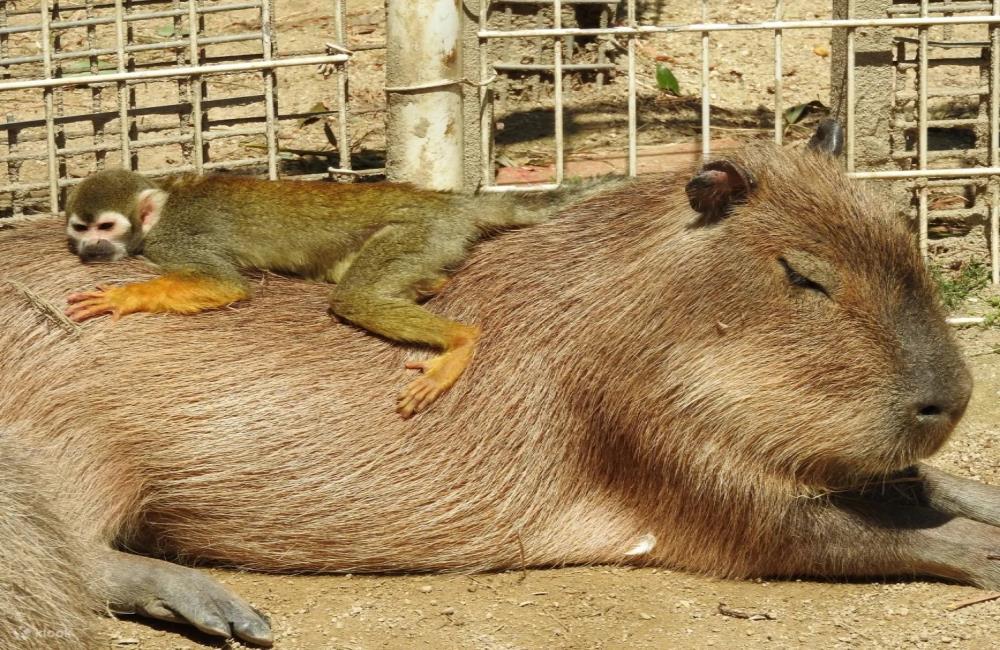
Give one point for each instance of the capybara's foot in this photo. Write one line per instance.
(964, 550)
(440, 374)
(170, 592)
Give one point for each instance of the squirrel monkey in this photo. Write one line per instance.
(384, 245)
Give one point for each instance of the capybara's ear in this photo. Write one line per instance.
(828, 138)
(717, 187)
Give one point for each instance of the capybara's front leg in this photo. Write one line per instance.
(854, 536)
(961, 549)
(959, 496)
(139, 585)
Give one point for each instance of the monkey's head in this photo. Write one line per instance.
(109, 214)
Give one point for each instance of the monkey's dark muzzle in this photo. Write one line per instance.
(99, 251)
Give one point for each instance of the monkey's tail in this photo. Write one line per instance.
(45, 600)
(519, 210)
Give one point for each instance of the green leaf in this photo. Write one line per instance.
(666, 80)
(74, 68)
(168, 30)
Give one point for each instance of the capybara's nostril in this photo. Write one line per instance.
(929, 411)
(932, 418)
(942, 411)
(940, 391)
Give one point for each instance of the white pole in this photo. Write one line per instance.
(424, 92)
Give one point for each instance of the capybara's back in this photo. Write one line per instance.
(707, 372)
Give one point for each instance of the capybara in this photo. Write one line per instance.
(45, 600)
(747, 388)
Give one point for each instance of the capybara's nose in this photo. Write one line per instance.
(940, 406)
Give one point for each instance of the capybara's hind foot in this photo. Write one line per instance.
(440, 374)
(170, 592)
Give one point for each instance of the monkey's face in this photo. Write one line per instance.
(101, 237)
(110, 213)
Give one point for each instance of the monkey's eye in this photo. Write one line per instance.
(799, 280)
(79, 227)
(107, 225)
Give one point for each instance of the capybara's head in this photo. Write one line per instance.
(793, 323)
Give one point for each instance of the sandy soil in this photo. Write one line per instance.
(601, 607)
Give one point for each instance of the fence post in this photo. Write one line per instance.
(477, 98)
(424, 88)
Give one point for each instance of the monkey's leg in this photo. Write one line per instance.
(169, 592)
(379, 293)
(179, 293)
(402, 320)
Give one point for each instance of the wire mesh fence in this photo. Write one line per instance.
(161, 86)
(894, 130)
(165, 86)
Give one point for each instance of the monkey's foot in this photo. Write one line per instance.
(89, 304)
(440, 374)
(178, 594)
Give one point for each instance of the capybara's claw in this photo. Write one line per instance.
(181, 595)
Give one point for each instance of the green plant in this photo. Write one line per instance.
(992, 318)
(955, 288)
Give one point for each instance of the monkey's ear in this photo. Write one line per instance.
(717, 187)
(828, 138)
(150, 205)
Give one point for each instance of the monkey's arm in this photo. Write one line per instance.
(185, 289)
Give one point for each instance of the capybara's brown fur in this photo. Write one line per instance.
(45, 601)
(643, 375)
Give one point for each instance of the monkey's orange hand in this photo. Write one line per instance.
(88, 304)
(179, 294)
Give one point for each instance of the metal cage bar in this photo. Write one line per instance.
(779, 126)
(994, 237)
(633, 147)
(930, 168)
(114, 70)
(849, 126)
(344, 165)
(706, 95)
(557, 87)
(922, 128)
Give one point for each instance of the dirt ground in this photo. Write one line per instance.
(605, 607)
